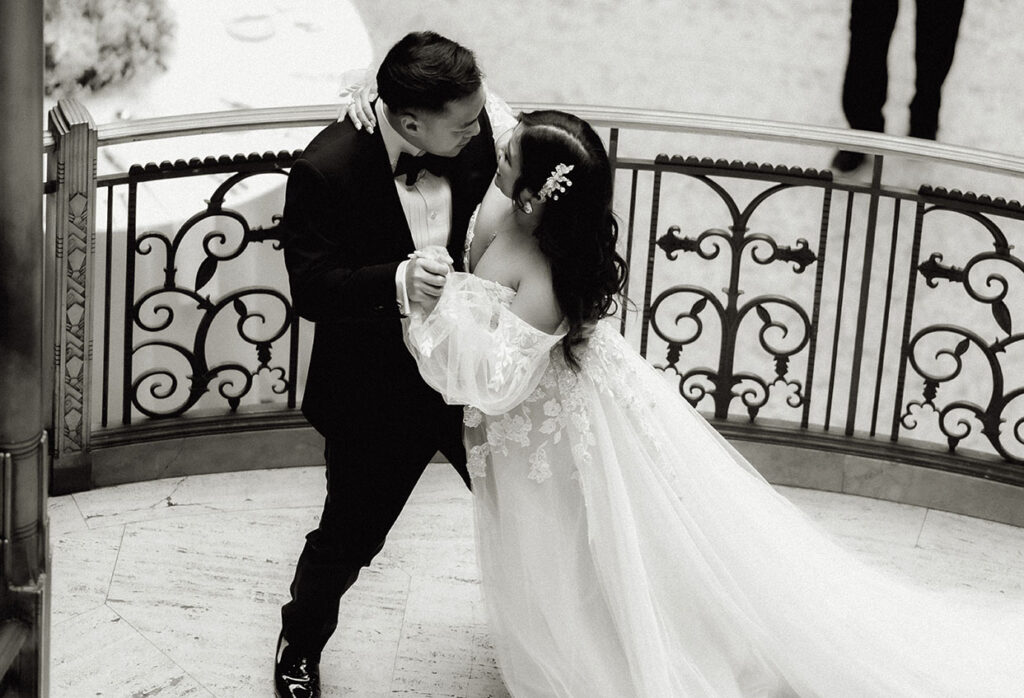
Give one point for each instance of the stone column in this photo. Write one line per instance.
(24, 616)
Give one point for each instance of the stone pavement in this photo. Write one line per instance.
(173, 587)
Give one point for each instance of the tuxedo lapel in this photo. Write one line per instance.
(380, 189)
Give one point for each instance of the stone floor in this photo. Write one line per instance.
(173, 587)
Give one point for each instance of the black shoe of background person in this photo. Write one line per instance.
(848, 160)
(296, 675)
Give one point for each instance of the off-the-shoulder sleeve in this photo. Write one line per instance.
(475, 351)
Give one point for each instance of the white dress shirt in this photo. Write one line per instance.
(427, 203)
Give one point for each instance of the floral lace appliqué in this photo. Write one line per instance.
(476, 460)
(540, 468)
(559, 398)
(471, 416)
(555, 411)
(510, 427)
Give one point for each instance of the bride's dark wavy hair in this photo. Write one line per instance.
(578, 231)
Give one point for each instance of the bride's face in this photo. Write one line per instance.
(508, 161)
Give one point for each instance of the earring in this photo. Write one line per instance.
(528, 207)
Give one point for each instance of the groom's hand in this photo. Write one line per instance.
(425, 279)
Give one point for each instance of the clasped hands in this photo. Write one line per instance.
(425, 277)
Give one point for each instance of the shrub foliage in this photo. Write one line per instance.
(92, 43)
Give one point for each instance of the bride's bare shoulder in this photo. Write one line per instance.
(494, 203)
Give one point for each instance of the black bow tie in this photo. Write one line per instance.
(410, 166)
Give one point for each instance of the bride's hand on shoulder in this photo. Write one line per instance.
(359, 109)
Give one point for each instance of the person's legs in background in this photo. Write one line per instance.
(937, 26)
(866, 81)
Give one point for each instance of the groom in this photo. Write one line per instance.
(357, 204)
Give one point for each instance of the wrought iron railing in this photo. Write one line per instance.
(787, 304)
(152, 318)
(913, 346)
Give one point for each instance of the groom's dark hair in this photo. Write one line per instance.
(425, 70)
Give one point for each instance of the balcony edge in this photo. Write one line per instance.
(813, 460)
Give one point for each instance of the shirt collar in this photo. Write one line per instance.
(394, 143)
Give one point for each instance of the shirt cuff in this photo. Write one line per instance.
(401, 295)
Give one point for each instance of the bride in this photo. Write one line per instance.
(626, 548)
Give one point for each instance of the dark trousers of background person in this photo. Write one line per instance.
(867, 78)
(369, 479)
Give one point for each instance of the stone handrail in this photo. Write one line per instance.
(612, 117)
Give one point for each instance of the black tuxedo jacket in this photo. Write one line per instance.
(346, 234)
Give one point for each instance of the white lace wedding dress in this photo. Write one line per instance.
(627, 550)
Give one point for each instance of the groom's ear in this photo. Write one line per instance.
(409, 123)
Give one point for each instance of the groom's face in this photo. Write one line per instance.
(446, 133)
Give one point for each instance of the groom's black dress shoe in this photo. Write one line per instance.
(296, 675)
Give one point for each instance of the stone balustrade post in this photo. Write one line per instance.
(71, 221)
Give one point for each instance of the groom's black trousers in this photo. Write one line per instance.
(370, 475)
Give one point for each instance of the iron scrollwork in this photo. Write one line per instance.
(750, 388)
(780, 335)
(939, 353)
(154, 312)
